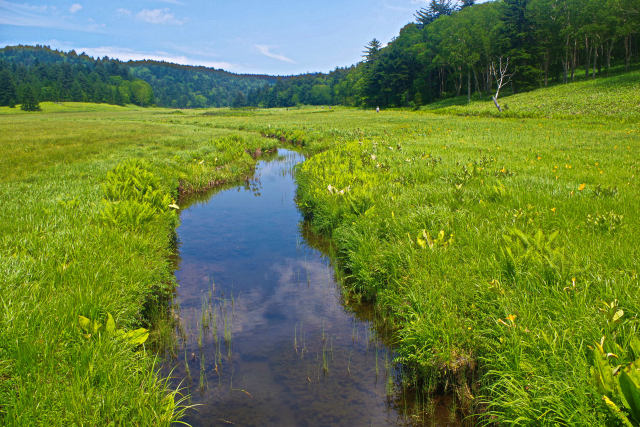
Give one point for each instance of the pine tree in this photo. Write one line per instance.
(371, 50)
(239, 100)
(435, 9)
(7, 89)
(29, 100)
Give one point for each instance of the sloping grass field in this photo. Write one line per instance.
(501, 249)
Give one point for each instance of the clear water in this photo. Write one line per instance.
(264, 331)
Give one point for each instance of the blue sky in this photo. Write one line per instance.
(245, 36)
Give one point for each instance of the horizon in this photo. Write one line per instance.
(229, 37)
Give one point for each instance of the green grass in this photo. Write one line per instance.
(475, 308)
(61, 258)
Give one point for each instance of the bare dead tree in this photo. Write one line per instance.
(502, 76)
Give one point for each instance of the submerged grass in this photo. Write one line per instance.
(498, 249)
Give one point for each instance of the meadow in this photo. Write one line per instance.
(500, 249)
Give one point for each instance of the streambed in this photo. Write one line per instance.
(265, 337)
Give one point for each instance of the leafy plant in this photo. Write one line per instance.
(425, 240)
(618, 383)
(91, 328)
(537, 252)
(605, 222)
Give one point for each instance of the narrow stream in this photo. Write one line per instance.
(264, 336)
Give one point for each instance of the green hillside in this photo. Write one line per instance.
(616, 98)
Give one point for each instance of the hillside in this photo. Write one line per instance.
(66, 76)
(616, 97)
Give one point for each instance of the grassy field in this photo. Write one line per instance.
(499, 248)
(82, 238)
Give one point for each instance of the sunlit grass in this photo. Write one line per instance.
(489, 244)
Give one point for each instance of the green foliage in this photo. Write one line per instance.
(134, 197)
(93, 328)
(605, 222)
(618, 383)
(29, 100)
(535, 253)
(57, 76)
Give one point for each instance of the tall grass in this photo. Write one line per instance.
(495, 247)
(84, 235)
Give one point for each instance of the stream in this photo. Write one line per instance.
(265, 337)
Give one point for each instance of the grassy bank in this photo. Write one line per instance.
(87, 230)
(500, 248)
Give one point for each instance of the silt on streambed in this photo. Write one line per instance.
(264, 336)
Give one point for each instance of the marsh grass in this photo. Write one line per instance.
(59, 259)
(444, 220)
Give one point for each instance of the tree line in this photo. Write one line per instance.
(455, 47)
(29, 75)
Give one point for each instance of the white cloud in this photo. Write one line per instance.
(76, 7)
(176, 2)
(158, 16)
(266, 51)
(27, 15)
(123, 12)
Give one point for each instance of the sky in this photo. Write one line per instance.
(278, 37)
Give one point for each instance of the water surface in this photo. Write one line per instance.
(265, 336)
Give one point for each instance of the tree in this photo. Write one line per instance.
(320, 95)
(371, 50)
(141, 93)
(502, 76)
(7, 89)
(435, 9)
(239, 100)
(467, 3)
(29, 99)
(517, 43)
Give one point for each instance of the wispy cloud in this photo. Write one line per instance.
(176, 2)
(158, 16)
(76, 7)
(266, 51)
(123, 12)
(28, 15)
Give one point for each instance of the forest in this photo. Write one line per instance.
(453, 48)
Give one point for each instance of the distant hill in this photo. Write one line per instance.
(66, 76)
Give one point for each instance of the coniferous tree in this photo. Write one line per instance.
(7, 89)
(371, 50)
(435, 9)
(29, 99)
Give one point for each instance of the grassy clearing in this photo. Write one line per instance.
(498, 248)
